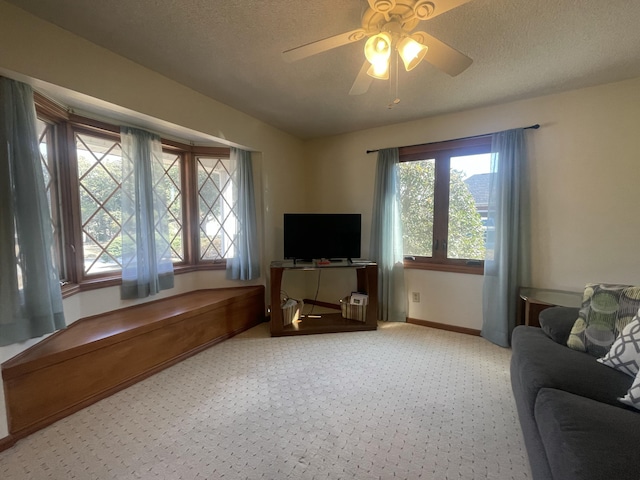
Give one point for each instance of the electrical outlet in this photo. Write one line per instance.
(415, 296)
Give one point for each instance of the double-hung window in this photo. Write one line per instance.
(444, 204)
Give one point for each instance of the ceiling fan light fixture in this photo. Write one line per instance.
(411, 52)
(378, 48)
(379, 70)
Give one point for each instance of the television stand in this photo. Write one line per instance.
(367, 282)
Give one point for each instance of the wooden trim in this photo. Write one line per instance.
(441, 208)
(70, 290)
(217, 152)
(94, 126)
(48, 108)
(456, 147)
(318, 303)
(190, 224)
(7, 442)
(445, 267)
(444, 326)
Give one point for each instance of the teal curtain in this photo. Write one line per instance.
(245, 263)
(146, 246)
(386, 239)
(30, 297)
(506, 265)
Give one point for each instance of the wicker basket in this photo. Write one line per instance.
(353, 312)
(291, 310)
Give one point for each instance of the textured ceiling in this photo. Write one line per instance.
(231, 51)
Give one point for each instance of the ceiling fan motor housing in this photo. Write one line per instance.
(406, 12)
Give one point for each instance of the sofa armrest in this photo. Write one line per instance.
(587, 440)
(557, 322)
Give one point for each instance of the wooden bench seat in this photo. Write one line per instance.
(99, 355)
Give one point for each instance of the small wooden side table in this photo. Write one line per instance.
(534, 300)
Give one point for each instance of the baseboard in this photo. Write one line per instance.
(7, 442)
(444, 326)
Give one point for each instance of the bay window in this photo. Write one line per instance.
(82, 166)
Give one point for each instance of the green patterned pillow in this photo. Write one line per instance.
(598, 324)
(628, 309)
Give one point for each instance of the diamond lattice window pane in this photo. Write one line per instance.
(100, 178)
(216, 201)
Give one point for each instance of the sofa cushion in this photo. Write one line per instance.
(540, 362)
(624, 354)
(585, 439)
(557, 322)
(595, 329)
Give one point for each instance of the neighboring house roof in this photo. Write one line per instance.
(479, 187)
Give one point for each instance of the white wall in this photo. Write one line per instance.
(585, 189)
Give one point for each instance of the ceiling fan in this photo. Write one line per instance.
(389, 26)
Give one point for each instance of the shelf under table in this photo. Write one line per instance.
(328, 323)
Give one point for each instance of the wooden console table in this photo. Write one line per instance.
(367, 282)
(534, 300)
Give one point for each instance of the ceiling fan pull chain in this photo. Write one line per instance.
(396, 80)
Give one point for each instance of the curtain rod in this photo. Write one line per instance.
(530, 127)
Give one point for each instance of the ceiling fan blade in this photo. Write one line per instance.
(320, 46)
(441, 55)
(363, 81)
(442, 6)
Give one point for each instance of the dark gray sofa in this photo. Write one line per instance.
(573, 425)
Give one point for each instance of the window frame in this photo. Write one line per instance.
(66, 125)
(442, 152)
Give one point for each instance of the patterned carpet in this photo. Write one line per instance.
(402, 402)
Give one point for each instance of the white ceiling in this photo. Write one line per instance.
(231, 51)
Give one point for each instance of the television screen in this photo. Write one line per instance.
(309, 236)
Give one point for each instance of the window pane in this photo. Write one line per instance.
(217, 199)
(468, 205)
(48, 162)
(170, 187)
(417, 181)
(100, 180)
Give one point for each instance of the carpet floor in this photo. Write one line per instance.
(404, 401)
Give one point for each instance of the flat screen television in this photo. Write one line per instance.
(309, 236)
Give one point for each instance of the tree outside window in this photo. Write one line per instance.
(443, 195)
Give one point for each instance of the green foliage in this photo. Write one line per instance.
(99, 186)
(417, 180)
(466, 233)
(101, 207)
